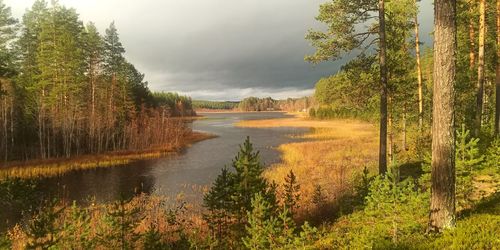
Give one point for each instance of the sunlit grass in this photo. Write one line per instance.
(336, 152)
(55, 167)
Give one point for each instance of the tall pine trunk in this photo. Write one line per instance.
(480, 67)
(383, 91)
(419, 75)
(472, 41)
(442, 212)
(497, 79)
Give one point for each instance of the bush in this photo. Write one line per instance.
(476, 232)
(492, 159)
(327, 112)
(395, 215)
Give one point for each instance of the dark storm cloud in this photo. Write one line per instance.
(217, 49)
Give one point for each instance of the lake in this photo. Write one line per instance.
(186, 172)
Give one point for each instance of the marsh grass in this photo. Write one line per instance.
(334, 154)
(58, 166)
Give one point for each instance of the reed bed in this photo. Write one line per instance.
(56, 167)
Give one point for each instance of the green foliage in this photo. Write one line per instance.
(219, 203)
(5, 242)
(394, 216)
(291, 193)
(199, 104)
(467, 163)
(362, 185)
(121, 220)
(257, 104)
(230, 198)
(476, 232)
(398, 207)
(43, 230)
(492, 156)
(318, 197)
(343, 19)
(66, 90)
(76, 230)
(267, 229)
(350, 93)
(247, 178)
(8, 27)
(467, 160)
(261, 224)
(153, 239)
(177, 104)
(330, 113)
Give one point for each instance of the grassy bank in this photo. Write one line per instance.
(335, 153)
(54, 167)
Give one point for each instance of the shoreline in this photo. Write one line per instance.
(221, 111)
(59, 166)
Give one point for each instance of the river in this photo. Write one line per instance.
(186, 172)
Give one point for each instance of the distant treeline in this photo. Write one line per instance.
(67, 90)
(176, 104)
(227, 105)
(258, 104)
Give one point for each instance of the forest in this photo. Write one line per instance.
(403, 150)
(214, 105)
(66, 90)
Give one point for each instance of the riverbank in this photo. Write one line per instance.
(59, 166)
(336, 152)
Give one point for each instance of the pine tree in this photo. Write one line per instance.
(291, 192)
(443, 137)
(76, 231)
(230, 198)
(122, 221)
(8, 29)
(347, 31)
(261, 224)
(467, 160)
(492, 159)
(60, 61)
(93, 53)
(318, 197)
(43, 231)
(248, 179)
(219, 204)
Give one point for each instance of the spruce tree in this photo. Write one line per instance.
(467, 160)
(248, 179)
(291, 193)
(219, 204)
(261, 225)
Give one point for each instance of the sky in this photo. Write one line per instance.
(218, 49)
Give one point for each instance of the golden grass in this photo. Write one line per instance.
(55, 167)
(339, 149)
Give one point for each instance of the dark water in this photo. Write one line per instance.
(185, 172)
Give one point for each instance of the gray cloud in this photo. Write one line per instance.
(217, 49)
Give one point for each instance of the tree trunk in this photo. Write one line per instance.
(442, 213)
(419, 76)
(497, 80)
(382, 163)
(480, 68)
(472, 40)
(405, 146)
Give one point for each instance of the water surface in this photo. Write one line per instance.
(184, 172)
